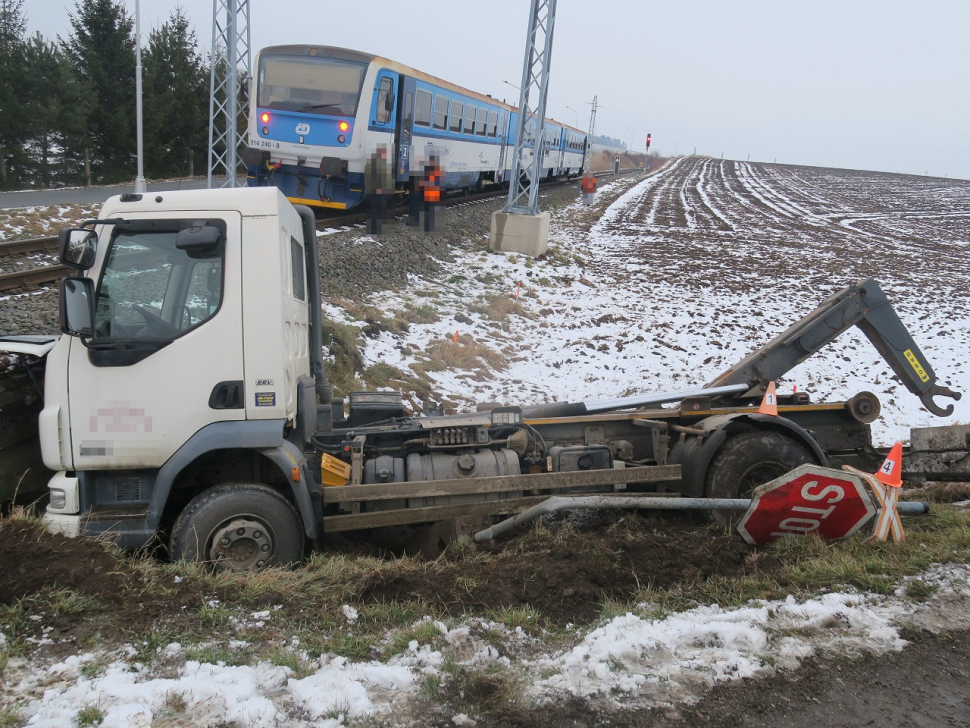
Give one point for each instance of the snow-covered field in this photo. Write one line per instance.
(692, 268)
(632, 660)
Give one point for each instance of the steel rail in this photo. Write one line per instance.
(33, 278)
(28, 245)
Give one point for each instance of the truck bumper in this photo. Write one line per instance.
(69, 526)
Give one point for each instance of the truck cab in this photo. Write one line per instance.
(192, 315)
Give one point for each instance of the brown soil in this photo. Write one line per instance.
(568, 576)
(36, 563)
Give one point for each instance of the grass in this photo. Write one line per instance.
(89, 715)
(382, 375)
(312, 597)
(348, 360)
(285, 657)
(11, 719)
(526, 617)
(466, 353)
(499, 307)
(215, 654)
(809, 566)
(478, 690)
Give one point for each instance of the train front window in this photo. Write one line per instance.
(326, 86)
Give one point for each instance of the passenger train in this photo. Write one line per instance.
(317, 113)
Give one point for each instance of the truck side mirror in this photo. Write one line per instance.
(389, 103)
(199, 241)
(77, 307)
(78, 247)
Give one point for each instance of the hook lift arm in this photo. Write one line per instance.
(864, 305)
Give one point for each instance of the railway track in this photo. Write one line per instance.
(29, 245)
(33, 278)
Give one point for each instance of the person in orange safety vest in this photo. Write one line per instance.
(431, 190)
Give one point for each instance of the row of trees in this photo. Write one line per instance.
(67, 108)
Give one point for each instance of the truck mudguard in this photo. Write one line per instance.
(696, 453)
(288, 459)
(264, 436)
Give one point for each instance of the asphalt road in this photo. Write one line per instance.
(89, 195)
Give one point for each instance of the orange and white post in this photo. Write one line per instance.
(885, 484)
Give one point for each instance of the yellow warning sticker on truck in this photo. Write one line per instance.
(265, 399)
(917, 367)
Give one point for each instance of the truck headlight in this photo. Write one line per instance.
(58, 498)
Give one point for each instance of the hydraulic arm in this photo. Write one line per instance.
(864, 305)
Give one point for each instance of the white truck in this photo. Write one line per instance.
(189, 400)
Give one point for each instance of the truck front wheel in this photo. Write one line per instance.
(238, 526)
(749, 459)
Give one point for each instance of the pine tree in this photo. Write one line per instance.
(58, 105)
(102, 44)
(176, 87)
(15, 124)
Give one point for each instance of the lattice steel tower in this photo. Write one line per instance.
(524, 182)
(229, 79)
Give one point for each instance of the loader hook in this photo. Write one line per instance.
(939, 390)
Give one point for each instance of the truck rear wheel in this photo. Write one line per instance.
(239, 527)
(749, 459)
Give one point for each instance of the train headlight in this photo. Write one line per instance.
(343, 126)
(341, 139)
(264, 117)
(265, 130)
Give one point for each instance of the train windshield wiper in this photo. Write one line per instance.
(316, 106)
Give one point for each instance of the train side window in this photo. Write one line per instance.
(469, 119)
(382, 92)
(440, 112)
(456, 108)
(480, 117)
(408, 110)
(492, 123)
(422, 108)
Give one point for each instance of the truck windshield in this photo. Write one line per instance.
(326, 86)
(150, 289)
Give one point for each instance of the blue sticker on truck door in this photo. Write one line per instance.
(265, 399)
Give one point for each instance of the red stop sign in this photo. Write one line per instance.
(810, 499)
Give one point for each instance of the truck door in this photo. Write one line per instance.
(166, 356)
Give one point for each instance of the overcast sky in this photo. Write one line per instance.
(861, 84)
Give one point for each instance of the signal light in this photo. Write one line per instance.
(343, 126)
(264, 117)
(648, 141)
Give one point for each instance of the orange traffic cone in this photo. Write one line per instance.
(891, 471)
(769, 405)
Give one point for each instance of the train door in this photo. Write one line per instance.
(384, 104)
(405, 128)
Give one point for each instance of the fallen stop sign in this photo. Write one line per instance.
(810, 499)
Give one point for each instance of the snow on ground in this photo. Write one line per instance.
(633, 660)
(692, 268)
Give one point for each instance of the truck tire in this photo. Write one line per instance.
(238, 527)
(749, 459)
